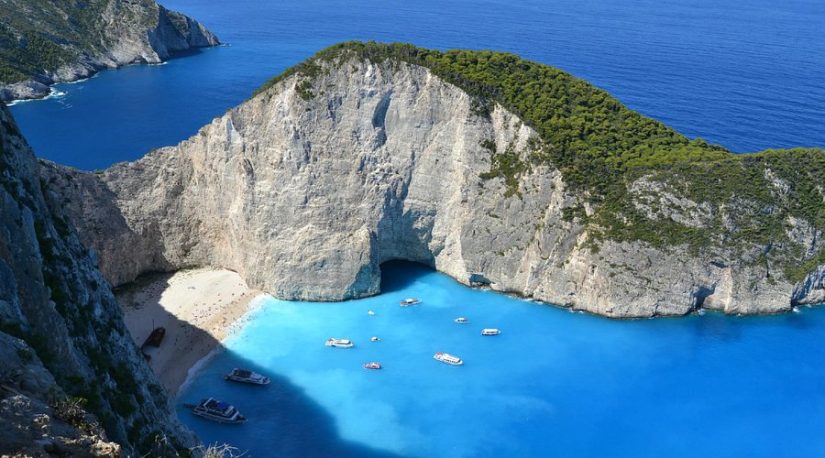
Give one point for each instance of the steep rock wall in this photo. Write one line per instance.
(62, 335)
(309, 186)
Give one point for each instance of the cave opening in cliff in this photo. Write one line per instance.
(399, 274)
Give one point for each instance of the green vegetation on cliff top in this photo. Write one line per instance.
(602, 147)
(39, 36)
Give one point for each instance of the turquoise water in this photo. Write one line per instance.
(554, 383)
(746, 74)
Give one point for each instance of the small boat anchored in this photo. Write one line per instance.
(374, 339)
(447, 358)
(339, 343)
(217, 411)
(461, 320)
(409, 301)
(370, 313)
(490, 332)
(246, 376)
(372, 365)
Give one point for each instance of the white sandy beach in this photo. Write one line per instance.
(197, 307)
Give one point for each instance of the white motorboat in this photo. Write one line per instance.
(409, 301)
(221, 412)
(374, 339)
(370, 313)
(246, 376)
(372, 365)
(461, 320)
(339, 343)
(447, 358)
(490, 332)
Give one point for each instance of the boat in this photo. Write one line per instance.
(246, 376)
(339, 343)
(374, 339)
(215, 410)
(490, 332)
(447, 358)
(461, 320)
(370, 313)
(155, 338)
(372, 365)
(410, 301)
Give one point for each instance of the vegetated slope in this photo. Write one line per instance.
(48, 41)
(70, 374)
(468, 161)
(602, 147)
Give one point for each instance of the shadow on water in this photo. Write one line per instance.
(186, 53)
(398, 275)
(282, 420)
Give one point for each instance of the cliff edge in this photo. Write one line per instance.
(72, 382)
(43, 42)
(472, 163)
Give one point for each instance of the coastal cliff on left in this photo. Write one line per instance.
(72, 382)
(43, 42)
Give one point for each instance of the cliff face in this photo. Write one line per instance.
(308, 187)
(71, 379)
(43, 42)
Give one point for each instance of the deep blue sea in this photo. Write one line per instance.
(554, 383)
(743, 73)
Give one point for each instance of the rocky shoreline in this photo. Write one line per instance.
(172, 33)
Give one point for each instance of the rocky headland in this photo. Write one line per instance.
(469, 162)
(43, 42)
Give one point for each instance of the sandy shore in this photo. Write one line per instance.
(197, 307)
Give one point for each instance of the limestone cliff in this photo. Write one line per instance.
(339, 166)
(43, 42)
(71, 379)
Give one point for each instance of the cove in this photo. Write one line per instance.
(554, 383)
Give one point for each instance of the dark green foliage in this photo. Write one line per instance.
(39, 36)
(601, 147)
(309, 69)
(12, 328)
(40, 345)
(25, 355)
(304, 89)
(508, 166)
(122, 402)
(30, 54)
(591, 137)
(71, 410)
(124, 378)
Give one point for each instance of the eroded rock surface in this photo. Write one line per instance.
(309, 186)
(62, 337)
